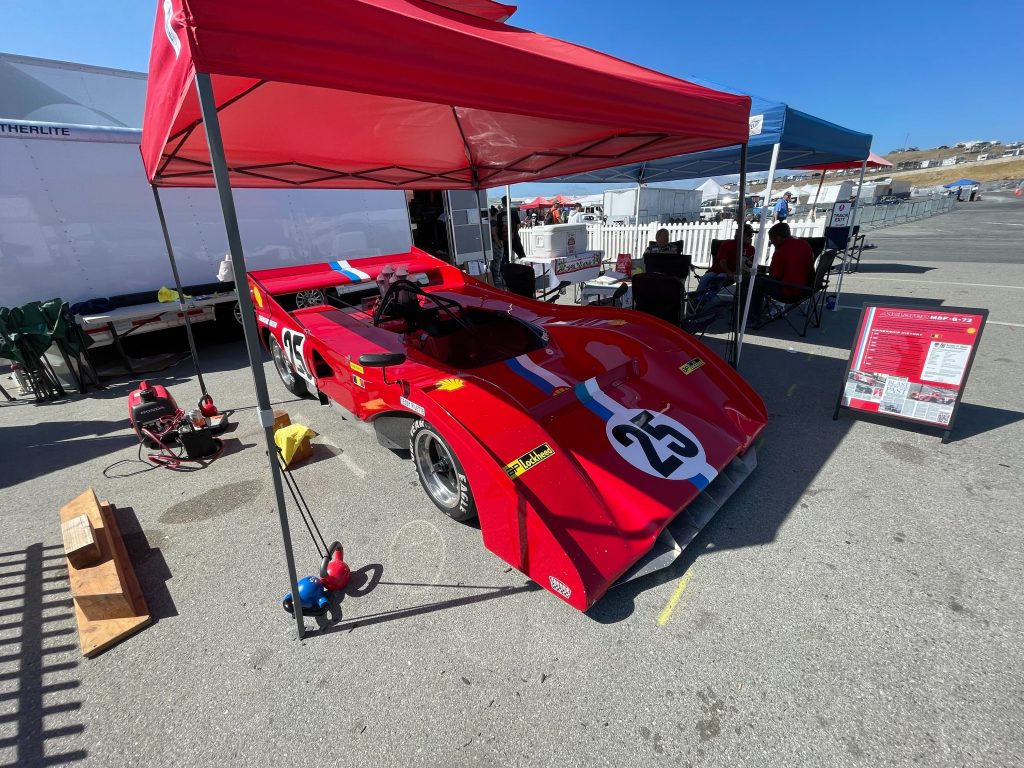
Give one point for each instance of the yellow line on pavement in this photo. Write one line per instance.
(666, 612)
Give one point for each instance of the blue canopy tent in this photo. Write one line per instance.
(961, 183)
(780, 137)
(802, 140)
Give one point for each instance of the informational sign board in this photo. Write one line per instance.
(911, 363)
(841, 215)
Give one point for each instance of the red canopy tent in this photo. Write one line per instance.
(406, 94)
(537, 202)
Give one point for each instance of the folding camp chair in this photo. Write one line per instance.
(615, 300)
(811, 303)
(676, 264)
(663, 296)
(521, 280)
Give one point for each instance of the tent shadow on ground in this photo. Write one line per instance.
(837, 328)
(799, 391)
(890, 268)
(40, 699)
(51, 446)
(150, 566)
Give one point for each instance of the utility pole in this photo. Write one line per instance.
(906, 141)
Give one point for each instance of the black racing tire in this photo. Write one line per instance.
(440, 472)
(289, 378)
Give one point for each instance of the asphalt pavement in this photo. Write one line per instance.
(857, 601)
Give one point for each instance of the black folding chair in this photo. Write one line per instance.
(675, 264)
(520, 279)
(817, 245)
(615, 300)
(811, 302)
(663, 296)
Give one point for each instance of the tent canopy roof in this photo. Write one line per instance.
(874, 161)
(961, 183)
(804, 140)
(405, 94)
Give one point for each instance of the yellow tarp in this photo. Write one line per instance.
(289, 439)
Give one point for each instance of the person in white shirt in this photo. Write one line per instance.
(576, 217)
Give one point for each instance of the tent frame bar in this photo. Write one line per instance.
(736, 338)
(181, 294)
(760, 249)
(849, 239)
(211, 123)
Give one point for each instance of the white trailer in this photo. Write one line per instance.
(78, 219)
(657, 205)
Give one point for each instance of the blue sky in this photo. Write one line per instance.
(940, 71)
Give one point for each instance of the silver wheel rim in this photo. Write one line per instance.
(238, 312)
(311, 298)
(284, 368)
(436, 466)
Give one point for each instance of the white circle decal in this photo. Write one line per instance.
(659, 445)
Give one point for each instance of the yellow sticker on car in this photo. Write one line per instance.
(691, 365)
(450, 385)
(257, 297)
(356, 367)
(528, 461)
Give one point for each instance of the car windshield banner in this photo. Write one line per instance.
(911, 363)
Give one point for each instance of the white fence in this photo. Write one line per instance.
(697, 237)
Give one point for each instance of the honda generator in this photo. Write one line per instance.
(154, 414)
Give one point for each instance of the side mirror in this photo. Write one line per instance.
(382, 360)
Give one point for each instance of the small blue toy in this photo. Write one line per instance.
(312, 596)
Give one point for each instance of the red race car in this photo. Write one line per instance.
(592, 443)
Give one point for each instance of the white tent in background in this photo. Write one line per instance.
(710, 190)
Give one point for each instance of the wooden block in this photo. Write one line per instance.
(281, 419)
(109, 605)
(96, 635)
(80, 543)
(98, 589)
(303, 452)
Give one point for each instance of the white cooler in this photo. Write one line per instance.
(558, 239)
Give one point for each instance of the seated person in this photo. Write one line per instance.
(791, 274)
(722, 271)
(661, 244)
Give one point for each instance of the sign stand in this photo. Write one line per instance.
(911, 363)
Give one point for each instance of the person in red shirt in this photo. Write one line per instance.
(791, 274)
(723, 269)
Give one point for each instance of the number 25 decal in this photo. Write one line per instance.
(292, 342)
(660, 446)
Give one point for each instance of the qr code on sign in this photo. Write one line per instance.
(943, 417)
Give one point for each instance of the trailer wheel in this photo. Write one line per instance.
(440, 472)
(291, 381)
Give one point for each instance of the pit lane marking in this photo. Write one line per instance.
(356, 469)
(666, 612)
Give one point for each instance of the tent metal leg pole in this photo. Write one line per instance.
(740, 319)
(181, 294)
(853, 219)
(636, 220)
(211, 122)
(760, 248)
(508, 223)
